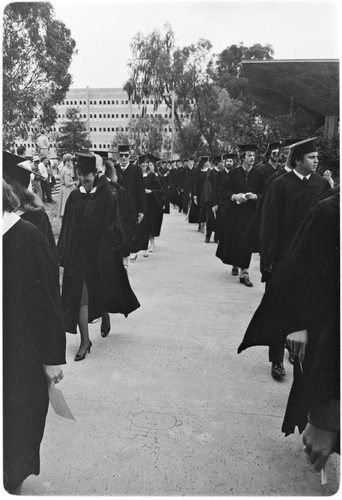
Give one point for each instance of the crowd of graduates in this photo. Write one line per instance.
(113, 209)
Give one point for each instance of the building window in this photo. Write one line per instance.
(126, 116)
(94, 102)
(67, 103)
(100, 129)
(165, 129)
(113, 129)
(113, 102)
(104, 116)
(117, 129)
(90, 129)
(100, 102)
(108, 129)
(126, 102)
(84, 116)
(113, 116)
(147, 102)
(165, 116)
(117, 116)
(84, 102)
(94, 129)
(100, 116)
(91, 102)
(95, 116)
(90, 116)
(122, 116)
(94, 146)
(122, 102)
(117, 102)
(133, 116)
(127, 129)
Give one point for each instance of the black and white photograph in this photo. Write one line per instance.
(171, 248)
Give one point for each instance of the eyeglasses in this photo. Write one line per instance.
(124, 156)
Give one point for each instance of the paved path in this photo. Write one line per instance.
(164, 405)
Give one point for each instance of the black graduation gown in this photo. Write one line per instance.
(90, 250)
(33, 335)
(198, 190)
(286, 203)
(40, 219)
(151, 223)
(125, 216)
(173, 186)
(234, 248)
(188, 181)
(304, 293)
(163, 181)
(253, 228)
(131, 181)
(217, 193)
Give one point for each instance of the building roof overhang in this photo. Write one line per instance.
(277, 85)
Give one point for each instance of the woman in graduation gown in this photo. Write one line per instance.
(154, 202)
(90, 250)
(33, 341)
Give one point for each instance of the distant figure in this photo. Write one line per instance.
(67, 183)
(43, 143)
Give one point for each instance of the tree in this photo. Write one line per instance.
(37, 52)
(74, 136)
(158, 69)
(146, 134)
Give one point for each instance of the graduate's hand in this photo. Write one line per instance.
(147, 191)
(140, 218)
(195, 199)
(251, 196)
(214, 209)
(297, 342)
(319, 444)
(54, 373)
(239, 198)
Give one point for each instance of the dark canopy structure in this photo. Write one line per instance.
(279, 86)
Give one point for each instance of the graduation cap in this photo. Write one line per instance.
(85, 163)
(271, 146)
(229, 156)
(285, 143)
(204, 158)
(247, 147)
(17, 168)
(301, 148)
(124, 149)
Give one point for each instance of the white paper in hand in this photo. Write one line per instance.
(58, 403)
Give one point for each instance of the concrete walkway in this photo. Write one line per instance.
(164, 405)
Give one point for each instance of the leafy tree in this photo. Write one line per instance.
(227, 71)
(158, 69)
(74, 134)
(37, 52)
(146, 134)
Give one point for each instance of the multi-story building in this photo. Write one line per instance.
(105, 112)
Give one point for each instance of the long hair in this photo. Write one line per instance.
(27, 199)
(10, 202)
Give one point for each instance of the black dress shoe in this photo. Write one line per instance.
(79, 356)
(246, 281)
(105, 325)
(207, 240)
(235, 271)
(278, 370)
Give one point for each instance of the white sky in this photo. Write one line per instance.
(104, 29)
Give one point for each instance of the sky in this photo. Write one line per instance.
(103, 30)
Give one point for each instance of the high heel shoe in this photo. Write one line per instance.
(79, 357)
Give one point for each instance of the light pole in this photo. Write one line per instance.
(172, 95)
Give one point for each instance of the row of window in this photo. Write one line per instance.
(117, 116)
(108, 102)
(117, 129)
(104, 103)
